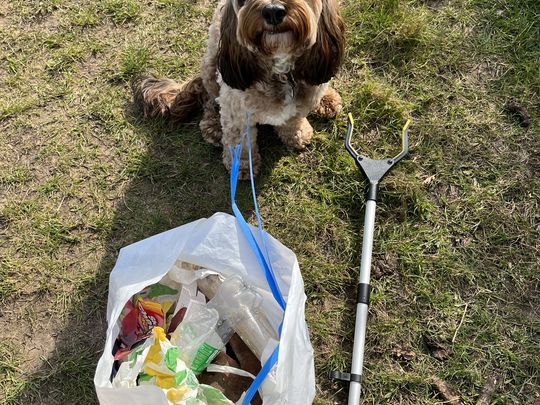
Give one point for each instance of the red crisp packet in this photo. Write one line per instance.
(149, 314)
(141, 316)
(151, 307)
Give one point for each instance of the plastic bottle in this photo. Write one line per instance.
(239, 305)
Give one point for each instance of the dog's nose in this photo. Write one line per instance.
(274, 13)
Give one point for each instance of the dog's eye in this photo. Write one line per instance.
(241, 2)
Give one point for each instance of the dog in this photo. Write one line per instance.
(271, 58)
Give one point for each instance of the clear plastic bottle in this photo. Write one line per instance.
(206, 329)
(239, 305)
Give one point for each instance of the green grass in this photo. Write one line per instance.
(456, 249)
(135, 60)
(120, 11)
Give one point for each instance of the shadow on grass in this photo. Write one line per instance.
(179, 179)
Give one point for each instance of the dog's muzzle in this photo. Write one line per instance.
(274, 14)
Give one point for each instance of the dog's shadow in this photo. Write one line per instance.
(177, 179)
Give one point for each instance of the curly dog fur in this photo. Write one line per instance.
(271, 58)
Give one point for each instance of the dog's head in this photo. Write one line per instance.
(252, 31)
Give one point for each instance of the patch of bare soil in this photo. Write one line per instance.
(28, 325)
(489, 70)
(36, 320)
(385, 266)
(518, 112)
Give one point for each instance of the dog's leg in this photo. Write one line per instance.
(210, 124)
(329, 105)
(296, 133)
(234, 127)
(244, 157)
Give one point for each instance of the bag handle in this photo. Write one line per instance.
(265, 264)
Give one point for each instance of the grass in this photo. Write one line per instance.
(456, 249)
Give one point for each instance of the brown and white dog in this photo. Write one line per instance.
(271, 58)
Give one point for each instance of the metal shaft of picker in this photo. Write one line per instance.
(362, 300)
(374, 171)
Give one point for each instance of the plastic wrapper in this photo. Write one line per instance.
(153, 306)
(157, 362)
(196, 337)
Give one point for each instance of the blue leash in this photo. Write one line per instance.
(265, 264)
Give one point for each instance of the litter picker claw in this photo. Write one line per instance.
(374, 171)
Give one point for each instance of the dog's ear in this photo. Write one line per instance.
(238, 66)
(322, 61)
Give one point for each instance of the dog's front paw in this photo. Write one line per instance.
(330, 105)
(296, 135)
(211, 127)
(243, 171)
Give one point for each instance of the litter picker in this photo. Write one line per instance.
(374, 171)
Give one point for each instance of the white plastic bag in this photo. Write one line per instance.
(220, 244)
(215, 243)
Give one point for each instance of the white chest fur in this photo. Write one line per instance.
(272, 102)
(282, 64)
